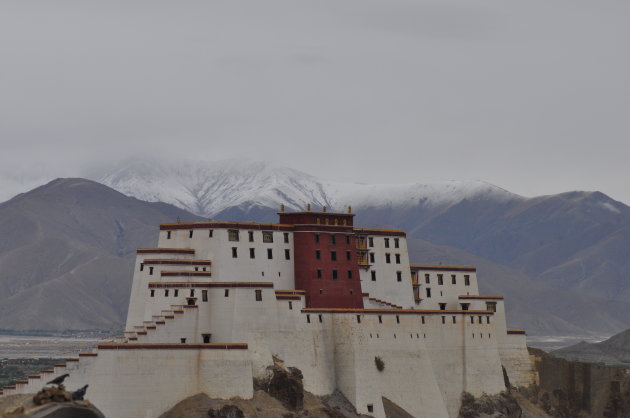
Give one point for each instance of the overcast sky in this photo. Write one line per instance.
(531, 95)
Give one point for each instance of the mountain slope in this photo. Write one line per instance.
(67, 254)
(615, 350)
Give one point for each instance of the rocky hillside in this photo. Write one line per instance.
(613, 351)
(67, 252)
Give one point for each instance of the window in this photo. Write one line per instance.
(347, 239)
(487, 321)
(396, 243)
(267, 236)
(349, 274)
(192, 293)
(190, 233)
(428, 289)
(168, 234)
(150, 271)
(252, 253)
(258, 295)
(372, 258)
(334, 275)
(210, 233)
(397, 258)
(176, 292)
(442, 306)
(250, 234)
(141, 266)
(204, 295)
(370, 407)
(370, 242)
(453, 279)
(233, 234)
(388, 258)
(226, 293)
(399, 276)
(440, 279)
(423, 322)
(333, 239)
(466, 280)
(290, 305)
(183, 340)
(287, 254)
(479, 319)
(358, 319)
(380, 319)
(444, 320)
(397, 319)
(165, 292)
(319, 274)
(206, 338)
(317, 238)
(318, 254)
(454, 319)
(286, 237)
(269, 253)
(308, 319)
(373, 273)
(320, 318)
(333, 255)
(472, 319)
(234, 252)
(348, 255)
(465, 306)
(427, 280)
(386, 242)
(152, 293)
(491, 306)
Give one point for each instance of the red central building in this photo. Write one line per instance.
(325, 259)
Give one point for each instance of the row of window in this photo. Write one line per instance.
(151, 269)
(398, 275)
(422, 319)
(386, 242)
(332, 239)
(252, 253)
(204, 293)
(440, 279)
(334, 274)
(333, 255)
(267, 236)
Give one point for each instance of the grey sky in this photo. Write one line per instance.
(531, 95)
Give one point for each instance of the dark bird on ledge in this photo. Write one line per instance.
(78, 395)
(58, 380)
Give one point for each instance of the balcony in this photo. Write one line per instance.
(361, 245)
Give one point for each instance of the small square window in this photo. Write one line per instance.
(267, 236)
(233, 234)
(152, 293)
(258, 295)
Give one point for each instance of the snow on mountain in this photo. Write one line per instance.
(207, 188)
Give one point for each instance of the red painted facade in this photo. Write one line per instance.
(324, 245)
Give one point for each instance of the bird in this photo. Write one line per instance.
(58, 380)
(78, 394)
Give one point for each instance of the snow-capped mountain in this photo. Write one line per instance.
(209, 188)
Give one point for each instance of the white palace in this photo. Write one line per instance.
(215, 302)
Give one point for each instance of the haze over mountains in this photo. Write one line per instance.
(561, 260)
